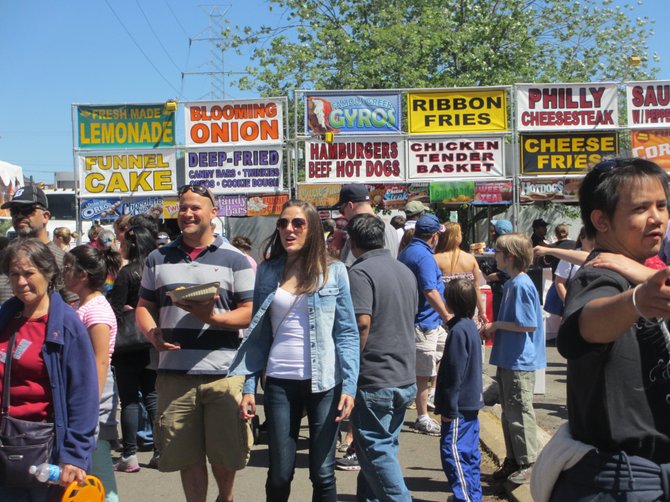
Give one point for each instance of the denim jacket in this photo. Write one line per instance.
(70, 363)
(333, 332)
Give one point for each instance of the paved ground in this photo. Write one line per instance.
(419, 456)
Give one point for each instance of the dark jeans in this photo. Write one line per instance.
(284, 401)
(134, 382)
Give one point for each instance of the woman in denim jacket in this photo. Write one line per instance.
(304, 334)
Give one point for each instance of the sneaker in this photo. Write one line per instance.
(508, 467)
(127, 464)
(343, 447)
(412, 405)
(348, 463)
(427, 426)
(522, 476)
(153, 463)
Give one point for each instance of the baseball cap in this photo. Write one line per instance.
(354, 192)
(163, 238)
(26, 195)
(502, 226)
(415, 207)
(540, 223)
(428, 224)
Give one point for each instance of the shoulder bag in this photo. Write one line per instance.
(128, 337)
(22, 442)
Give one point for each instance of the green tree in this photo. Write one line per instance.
(368, 44)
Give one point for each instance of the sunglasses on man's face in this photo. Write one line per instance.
(23, 210)
(296, 223)
(199, 189)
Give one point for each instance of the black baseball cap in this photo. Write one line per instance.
(354, 192)
(27, 195)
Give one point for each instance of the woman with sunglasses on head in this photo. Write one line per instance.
(136, 382)
(304, 335)
(616, 445)
(52, 372)
(85, 269)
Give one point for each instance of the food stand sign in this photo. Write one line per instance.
(235, 170)
(557, 154)
(653, 144)
(373, 160)
(544, 190)
(455, 158)
(561, 107)
(127, 172)
(124, 126)
(234, 122)
(319, 195)
(458, 111)
(358, 112)
(648, 104)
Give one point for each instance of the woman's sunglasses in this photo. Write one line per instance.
(297, 223)
(199, 189)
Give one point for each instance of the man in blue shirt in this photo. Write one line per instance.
(430, 336)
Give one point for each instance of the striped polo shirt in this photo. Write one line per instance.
(205, 349)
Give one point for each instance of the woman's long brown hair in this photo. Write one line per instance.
(313, 255)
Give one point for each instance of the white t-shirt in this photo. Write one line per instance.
(566, 270)
(289, 355)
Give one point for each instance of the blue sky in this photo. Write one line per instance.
(54, 54)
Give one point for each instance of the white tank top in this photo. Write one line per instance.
(289, 355)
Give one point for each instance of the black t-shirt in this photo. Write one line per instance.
(618, 393)
(385, 289)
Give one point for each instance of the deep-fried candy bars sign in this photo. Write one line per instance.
(226, 123)
(556, 107)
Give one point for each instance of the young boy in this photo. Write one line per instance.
(518, 351)
(458, 394)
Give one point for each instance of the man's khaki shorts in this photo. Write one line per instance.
(198, 417)
(429, 349)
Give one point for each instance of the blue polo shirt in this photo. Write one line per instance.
(418, 257)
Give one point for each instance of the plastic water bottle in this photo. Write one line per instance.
(46, 473)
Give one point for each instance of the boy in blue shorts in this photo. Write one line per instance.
(458, 394)
(518, 351)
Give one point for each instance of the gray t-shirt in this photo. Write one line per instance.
(385, 289)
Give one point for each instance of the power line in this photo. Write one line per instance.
(156, 35)
(176, 18)
(140, 48)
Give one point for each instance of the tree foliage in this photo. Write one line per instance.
(382, 44)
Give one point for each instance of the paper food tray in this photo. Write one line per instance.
(199, 293)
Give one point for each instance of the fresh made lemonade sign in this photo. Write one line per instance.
(108, 127)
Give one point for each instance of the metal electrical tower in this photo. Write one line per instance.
(217, 73)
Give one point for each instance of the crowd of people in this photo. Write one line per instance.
(350, 323)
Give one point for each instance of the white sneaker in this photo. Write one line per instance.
(427, 426)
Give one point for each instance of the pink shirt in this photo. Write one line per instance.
(98, 311)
